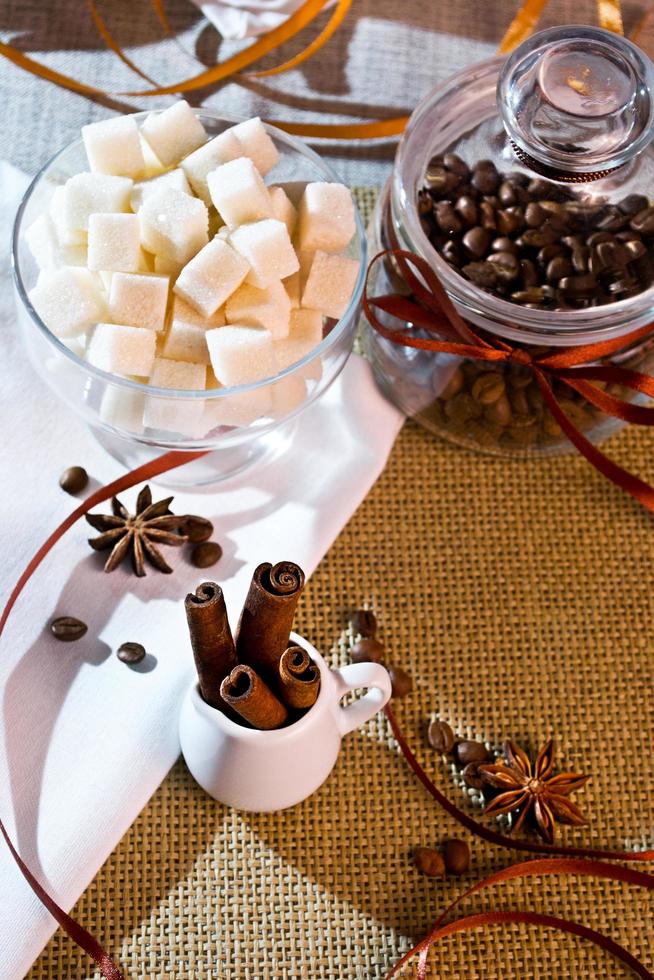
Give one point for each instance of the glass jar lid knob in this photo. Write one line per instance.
(577, 101)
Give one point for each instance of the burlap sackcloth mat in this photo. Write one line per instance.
(519, 595)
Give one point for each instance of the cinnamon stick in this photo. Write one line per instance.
(299, 678)
(246, 693)
(211, 639)
(267, 617)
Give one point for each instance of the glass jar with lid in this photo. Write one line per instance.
(527, 184)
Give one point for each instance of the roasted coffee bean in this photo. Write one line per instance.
(440, 737)
(599, 236)
(447, 218)
(558, 268)
(633, 203)
(429, 862)
(364, 622)
(488, 388)
(534, 215)
(485, 177)
(578, 287)
(466, 207)
(68, 629)
(506, 265)
(528, 273)
(454, 384)
(643, 222)
(452, 252)
(537, 237)
(401, 682)
(368, 649)
(499, 411)
(534, 294)
(510, 221)
(131, 653)
(425, 204)
(507, 194)
(206, 554)
(472, 777)
(549, 252)
(523, 429)
(196, 529)
(456, 854)
(482, 274)
(454, 163)
(468, 751)
(635, 248)
(519, 403)
(462, 408)
(74, 479)
(476, 241)
(504, 244)
(488, 217)
(580, 257)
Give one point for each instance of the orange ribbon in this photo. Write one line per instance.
(432, 310)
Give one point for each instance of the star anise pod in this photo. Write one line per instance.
(139, 535)
(534, 790)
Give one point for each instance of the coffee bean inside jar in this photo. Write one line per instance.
(535, 243)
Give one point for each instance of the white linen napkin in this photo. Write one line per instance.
(238, 19)
(84, 739)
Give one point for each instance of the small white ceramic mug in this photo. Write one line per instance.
(264, 771)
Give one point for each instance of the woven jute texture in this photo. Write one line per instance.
(519, 596)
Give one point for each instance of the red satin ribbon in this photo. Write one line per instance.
(431, 309)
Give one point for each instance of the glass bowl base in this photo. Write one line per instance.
(215, 468)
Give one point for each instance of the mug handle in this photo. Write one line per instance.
(353, 676)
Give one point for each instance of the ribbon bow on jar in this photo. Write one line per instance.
(430, 310)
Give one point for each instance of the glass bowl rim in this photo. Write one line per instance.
(500, 315)
(323, 347)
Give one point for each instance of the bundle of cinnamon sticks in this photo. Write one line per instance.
(259, 678)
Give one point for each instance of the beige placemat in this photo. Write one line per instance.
(519, 595)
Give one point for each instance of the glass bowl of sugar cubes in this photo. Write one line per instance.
(188, 281)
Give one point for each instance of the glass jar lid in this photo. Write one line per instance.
(577, 100)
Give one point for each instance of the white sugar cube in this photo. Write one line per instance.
(268, 250)
(269, 308)
(304, 335)
(153, 165)
(66, 234)
(239, 193)
(241, 354)
(42, 241)
(113, 147)
(186, 342)
(283, 208)
(257, 144)
(325, 218)
(144, 188)
(186, 339)
(122, 408)
(292, 286)
(120, 349)
(138, 301)
(166, 267)
(173, 133)
(68, 300)
(176, 414)
(211, 277)
(114, 242)
(199, 164)
(287, 395)
(238, 408)
(330, 284)
(86, 194)
(185, 313)
(173, 225)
